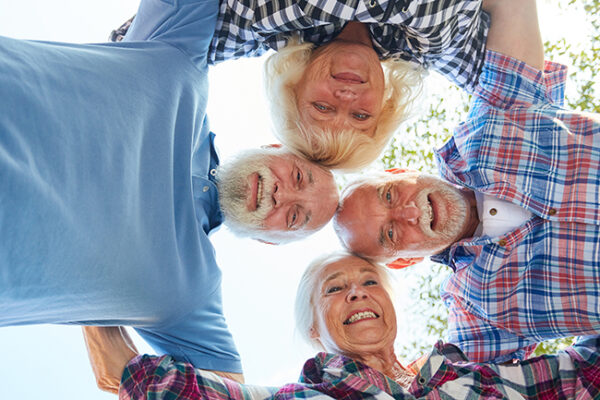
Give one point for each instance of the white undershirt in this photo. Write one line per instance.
(498, 217)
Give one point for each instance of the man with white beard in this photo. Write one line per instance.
(107, 202)
(274, 196)
(517, 214)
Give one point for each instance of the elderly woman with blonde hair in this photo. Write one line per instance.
(343, 307)
(345, 72)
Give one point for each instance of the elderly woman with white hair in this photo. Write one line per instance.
(345, 71)
(343, 307)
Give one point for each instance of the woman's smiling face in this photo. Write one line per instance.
(354, 314)
(342, 88)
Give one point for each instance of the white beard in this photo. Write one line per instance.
(233, 192)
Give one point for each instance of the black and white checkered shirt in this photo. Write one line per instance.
(447, 36)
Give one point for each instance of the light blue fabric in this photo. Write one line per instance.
(102, 220)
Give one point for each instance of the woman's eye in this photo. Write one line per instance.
(333, 289)
(390, 234)
(298, 176)
(388, 195)
(320, 107)
(361, 116)
(370, 282)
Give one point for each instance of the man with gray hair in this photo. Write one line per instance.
(107, 201)
(517, 213)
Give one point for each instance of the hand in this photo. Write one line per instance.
(109, 350)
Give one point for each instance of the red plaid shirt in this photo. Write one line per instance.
(570, 374)
(541, 280)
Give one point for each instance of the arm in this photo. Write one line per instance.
(110, 349)
(515, 30)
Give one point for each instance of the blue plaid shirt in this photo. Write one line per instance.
(446, 36)
(541, 280)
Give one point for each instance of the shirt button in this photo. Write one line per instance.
(493, 211)
(421, 381)
(373, 3)
(502, 242)
(213, 172)
(552, 211)
(205, 189)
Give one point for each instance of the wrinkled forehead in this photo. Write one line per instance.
(380, 179)
(341, 267)
(286, 158)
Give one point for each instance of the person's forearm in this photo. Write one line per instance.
(162, 377)
(515, 31)
(109, 350)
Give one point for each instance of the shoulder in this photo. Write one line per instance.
(506, 82)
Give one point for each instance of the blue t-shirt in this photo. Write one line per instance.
(107, 192)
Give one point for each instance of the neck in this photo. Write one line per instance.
(472, 215)
(383, 361)
(355, 32)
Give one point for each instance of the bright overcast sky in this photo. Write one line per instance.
(259, 280)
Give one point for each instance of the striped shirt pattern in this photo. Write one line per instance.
(447, 36)
(541, 280)
(571, 374)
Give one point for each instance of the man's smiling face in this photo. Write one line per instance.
(273, 195)
(402, 215)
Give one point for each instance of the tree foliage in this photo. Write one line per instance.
(412, 147)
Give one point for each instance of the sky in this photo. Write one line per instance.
(259, 281)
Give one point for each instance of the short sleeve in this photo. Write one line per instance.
(201, 339)
(506, 82)
(186, 25)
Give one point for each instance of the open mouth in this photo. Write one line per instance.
(348, 77)
(432, 213)
(360, 316)
(256, 191)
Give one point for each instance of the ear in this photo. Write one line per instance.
(272, 146)
(400, 170)
(314, 334)
(265, 242)
(404, 262)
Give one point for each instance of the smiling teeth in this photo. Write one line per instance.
(430, 210)
(259, 191)
(359, 316)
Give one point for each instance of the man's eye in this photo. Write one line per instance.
(390, 234)
(292, 220)
(298, 176)
(320, 107)
(388, 195)
(361, 116)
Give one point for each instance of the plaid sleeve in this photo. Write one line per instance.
(506, 82)
(150, 377)
(481, 341)
(446, 36)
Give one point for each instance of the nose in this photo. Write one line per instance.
(355, 293)
(281, 195)
(345, 94)
(408, 213)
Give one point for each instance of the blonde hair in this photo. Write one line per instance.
(304, 307)
(343, 149)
